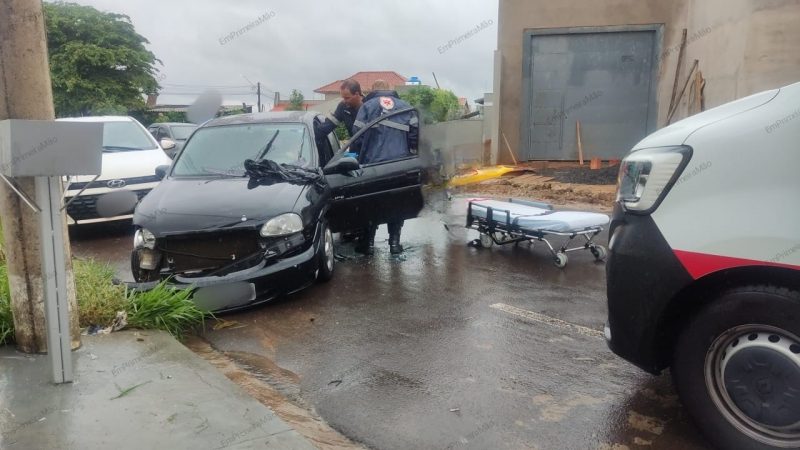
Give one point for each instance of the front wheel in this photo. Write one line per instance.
(326, 255)
(737, 369)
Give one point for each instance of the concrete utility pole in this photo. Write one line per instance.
(26, 93)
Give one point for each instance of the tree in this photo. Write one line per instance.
(296, 101)
(341, 132)
(98, 63)
(435, 105)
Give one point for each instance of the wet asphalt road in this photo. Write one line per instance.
(449, 346)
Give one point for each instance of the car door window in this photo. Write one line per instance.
(162, 134)
(334, 142)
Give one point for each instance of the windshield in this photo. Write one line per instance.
(182, 132)
(223, 150)
(125, 136)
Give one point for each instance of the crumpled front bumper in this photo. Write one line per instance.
(261, 283)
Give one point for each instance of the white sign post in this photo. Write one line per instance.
(48, 151)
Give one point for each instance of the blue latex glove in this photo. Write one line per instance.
(351, 155)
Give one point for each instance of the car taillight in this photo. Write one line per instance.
(645, 176)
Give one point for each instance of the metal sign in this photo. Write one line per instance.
(48, 150)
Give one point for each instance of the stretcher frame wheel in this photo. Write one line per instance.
(599, 252)
(486, 240)
(561, 260)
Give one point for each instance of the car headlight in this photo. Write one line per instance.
(282, 225)
(645, 176)
(144, 239)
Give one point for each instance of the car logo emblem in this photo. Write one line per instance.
(116, 184)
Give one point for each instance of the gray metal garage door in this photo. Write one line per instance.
(605, 80)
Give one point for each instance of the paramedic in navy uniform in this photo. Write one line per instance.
(392, 139)
(346, 110)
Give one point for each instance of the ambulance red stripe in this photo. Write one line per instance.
(701, 264)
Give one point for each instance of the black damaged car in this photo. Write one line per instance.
(247, 209)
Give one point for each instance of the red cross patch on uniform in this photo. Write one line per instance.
(387, 102)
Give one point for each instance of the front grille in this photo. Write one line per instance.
(85, 206)
(104, 183)
(204, 252)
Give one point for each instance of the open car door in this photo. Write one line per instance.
(387, 191)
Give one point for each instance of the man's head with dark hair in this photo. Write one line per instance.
(352, 86)
(351, 93)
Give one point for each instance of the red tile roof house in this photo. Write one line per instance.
(365, 79)
(307, 105)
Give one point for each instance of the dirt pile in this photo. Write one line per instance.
(551, 186)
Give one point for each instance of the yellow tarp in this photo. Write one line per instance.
(478, 175)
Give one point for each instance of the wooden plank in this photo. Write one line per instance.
(678, 68)
(678, 100)
(509, 149)
(580, 144)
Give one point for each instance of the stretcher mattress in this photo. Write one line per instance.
(538, 219)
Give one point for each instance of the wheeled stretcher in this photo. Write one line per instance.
(515, 221)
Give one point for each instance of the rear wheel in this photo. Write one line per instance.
(327, 258)
(737, 368)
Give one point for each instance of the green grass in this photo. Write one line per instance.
(2, 246)
(159, 309)
(6, 320)
(99, 300)
(165, 309)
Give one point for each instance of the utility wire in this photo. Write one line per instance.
(208, 85)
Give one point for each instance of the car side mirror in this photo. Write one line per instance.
(161, 172)
(167, 144)
(341, 165)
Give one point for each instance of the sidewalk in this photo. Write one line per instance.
(132, 390)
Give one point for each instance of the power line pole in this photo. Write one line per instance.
(26, 93)
(259, 96)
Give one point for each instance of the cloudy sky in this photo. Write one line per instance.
(307, 44)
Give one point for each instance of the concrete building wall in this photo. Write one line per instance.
(743, 47)
(452, 144)
(751, 46)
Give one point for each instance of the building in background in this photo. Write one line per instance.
(365, 79)
(613, 67)
(280, 105)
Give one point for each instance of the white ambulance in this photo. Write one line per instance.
(704, 266)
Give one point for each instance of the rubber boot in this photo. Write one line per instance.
(394, 238)
(366, 241)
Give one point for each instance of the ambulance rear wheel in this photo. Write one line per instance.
(736, 367)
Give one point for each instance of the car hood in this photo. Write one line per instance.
(679, 132)
(189, 205)
(132, 164)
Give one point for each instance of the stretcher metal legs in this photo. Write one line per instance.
(488, 238)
